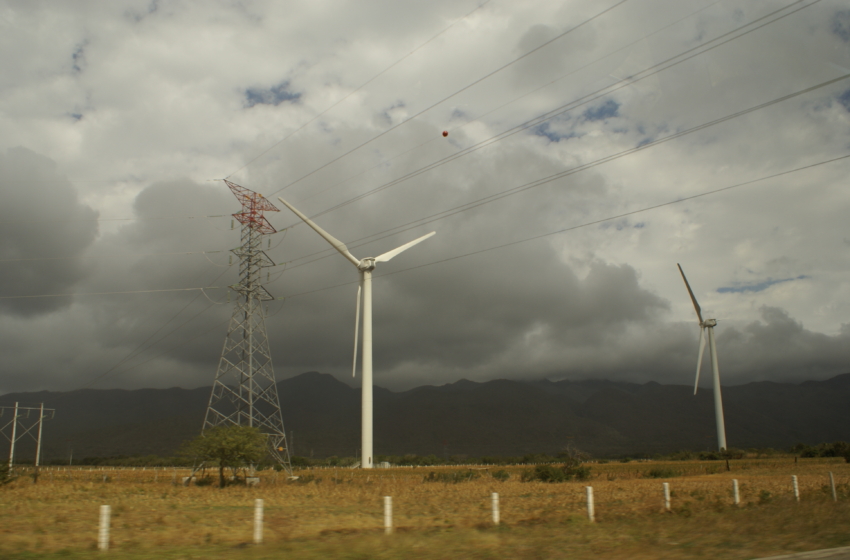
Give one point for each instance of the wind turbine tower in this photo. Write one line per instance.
(365, 267)
(708, 325)
(244, 391)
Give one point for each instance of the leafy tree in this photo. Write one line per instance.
(228, 446)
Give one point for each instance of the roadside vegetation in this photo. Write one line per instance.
(337, 512)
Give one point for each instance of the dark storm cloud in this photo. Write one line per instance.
(179, 319)
(40, 218)
(780, 348)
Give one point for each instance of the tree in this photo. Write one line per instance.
(228, 446)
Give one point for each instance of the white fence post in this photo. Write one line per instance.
(388, 514)
(258, 521)
(494, 498)
(796, 487)
(832, 486)
(667, 496)
(736, 494)
(591, 514)
(103, 531)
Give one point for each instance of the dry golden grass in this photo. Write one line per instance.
(341, 515)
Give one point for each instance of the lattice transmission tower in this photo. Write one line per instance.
(244, 392)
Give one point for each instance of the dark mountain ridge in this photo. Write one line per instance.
(500, 417)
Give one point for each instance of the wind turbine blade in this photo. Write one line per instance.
(337, 244)
(693, 298)
(356, 330)
(390, 254)
(699, 356)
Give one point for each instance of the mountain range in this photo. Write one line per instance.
(501, 417)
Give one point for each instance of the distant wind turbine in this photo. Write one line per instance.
(718, 400)
(365, 266)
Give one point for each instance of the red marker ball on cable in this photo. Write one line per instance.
(445, 133)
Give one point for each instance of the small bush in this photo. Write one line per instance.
(661, 473)
(553, 473)
(732, 453)
(452, 477)
(501, 475)
(205, 481)
(765, 497)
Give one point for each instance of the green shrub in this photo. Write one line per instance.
(661, 473)
(451, 477)
(554, 473)
(501, 475)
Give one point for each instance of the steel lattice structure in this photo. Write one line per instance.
(244, 392)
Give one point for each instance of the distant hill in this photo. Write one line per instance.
(464, 418)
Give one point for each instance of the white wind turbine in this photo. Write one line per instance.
(365, 266)
(718, 400)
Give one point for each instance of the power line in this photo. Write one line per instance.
(113, 255)
(625, 82)
(585, 224)
(364, 84)
(115, 293)
(542, 181)
(503, 105)
(135, 219)
(479, 80)
(139, 349)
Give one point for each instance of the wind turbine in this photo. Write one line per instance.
(718, 400)
(365, 266)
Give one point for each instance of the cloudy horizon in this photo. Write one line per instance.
(556, 247)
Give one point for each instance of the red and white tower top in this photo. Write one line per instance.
(253, 206)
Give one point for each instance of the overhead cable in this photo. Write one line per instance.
(514, 100)
(361, 86)
(577, 169)
(625, 82)
(585, 224)
(479, 80)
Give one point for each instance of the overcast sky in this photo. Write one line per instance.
(119, 119)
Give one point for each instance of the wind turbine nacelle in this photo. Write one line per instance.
(709, 323)
(366, 264)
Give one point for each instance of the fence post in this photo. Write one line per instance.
(103, 531)
(591, 516)
(666, 496)
(494, 498)
(796, 487)
(258, 521)
(388, 515)
(735, 493)
(832, 487)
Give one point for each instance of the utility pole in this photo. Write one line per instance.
(244, 392)
(14, 437)
(25, 424)
(38, 443)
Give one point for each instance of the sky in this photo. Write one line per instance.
(592, 146)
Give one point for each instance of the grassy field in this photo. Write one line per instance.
(339, 513)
